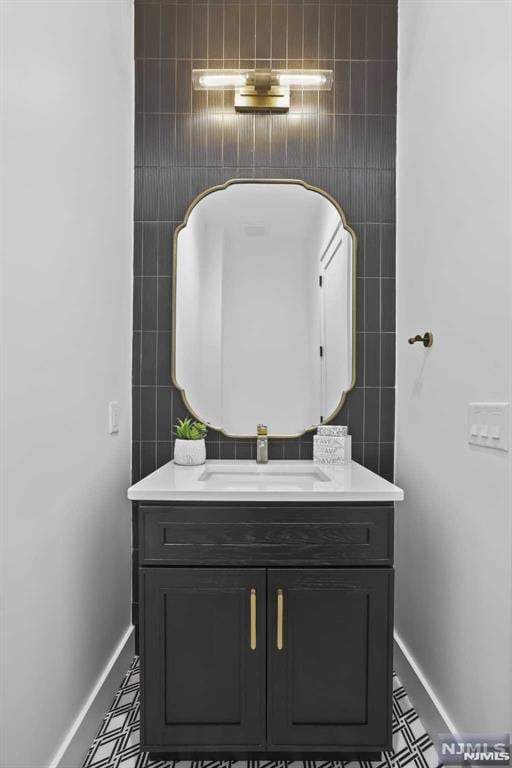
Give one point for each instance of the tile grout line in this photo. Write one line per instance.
(309, 172)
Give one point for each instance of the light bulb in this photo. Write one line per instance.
(299, 80)
(222, 81)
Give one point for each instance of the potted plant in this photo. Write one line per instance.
(189, 446)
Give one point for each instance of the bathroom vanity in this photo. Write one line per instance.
(265, 590)
(266, 608)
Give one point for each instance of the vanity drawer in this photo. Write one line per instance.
(267, 535)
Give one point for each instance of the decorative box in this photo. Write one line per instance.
(332, 430)
(332, 450)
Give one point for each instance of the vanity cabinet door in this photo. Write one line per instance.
(203, 658)
(329, 658)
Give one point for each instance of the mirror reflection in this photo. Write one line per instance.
(263, 307)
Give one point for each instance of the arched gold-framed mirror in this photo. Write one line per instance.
(263, 326)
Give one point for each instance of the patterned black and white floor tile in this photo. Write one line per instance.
(117, 742)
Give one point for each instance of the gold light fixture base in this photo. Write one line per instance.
(275, 99)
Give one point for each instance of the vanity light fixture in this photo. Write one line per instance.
(265, 90)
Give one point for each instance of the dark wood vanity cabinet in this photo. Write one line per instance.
(266, 628)
(203, 685)
(329, 685)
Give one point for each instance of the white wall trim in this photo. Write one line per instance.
(431, 711)
(78, 739)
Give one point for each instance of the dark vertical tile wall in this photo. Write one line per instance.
(342, 141)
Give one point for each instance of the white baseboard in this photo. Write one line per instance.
(79, 738)
(432, 713)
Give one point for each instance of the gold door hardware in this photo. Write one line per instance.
(427, 339)
(279, 639)
(253, 619)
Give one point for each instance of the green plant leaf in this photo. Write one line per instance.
(186, 429)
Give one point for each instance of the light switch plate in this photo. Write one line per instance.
(488, 425)
(113, 417)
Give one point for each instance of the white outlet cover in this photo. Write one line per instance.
(489, 425)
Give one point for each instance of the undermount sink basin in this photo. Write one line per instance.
(279, 480)
(262, 477)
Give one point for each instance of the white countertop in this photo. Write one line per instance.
(220, 480)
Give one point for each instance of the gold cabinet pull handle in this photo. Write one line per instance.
(279, 638)
(253, 619)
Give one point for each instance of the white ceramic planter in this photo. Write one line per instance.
(189, 452)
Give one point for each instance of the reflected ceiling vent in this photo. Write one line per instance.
(254, 230)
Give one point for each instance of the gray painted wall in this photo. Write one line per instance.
(66, 287)
(454, 529)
